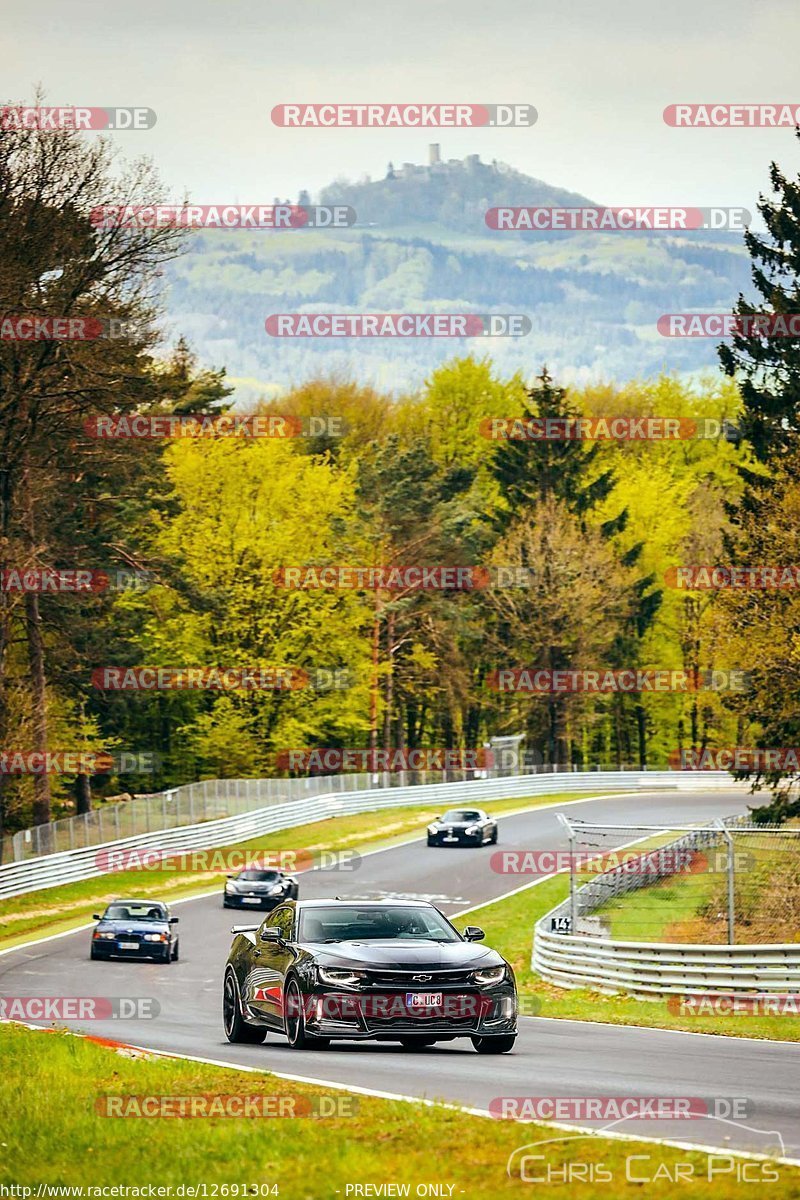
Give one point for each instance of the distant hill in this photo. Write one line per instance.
(421, 244)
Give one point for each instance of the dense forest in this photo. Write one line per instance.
(576, 543)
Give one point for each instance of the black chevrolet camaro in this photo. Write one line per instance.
(387, 970)
(463, 827)
(135, 929)
(259, 889)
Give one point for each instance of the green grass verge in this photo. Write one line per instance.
(57, 910)
(52, 1134)
(509, 929)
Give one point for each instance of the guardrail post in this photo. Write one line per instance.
(731, 888)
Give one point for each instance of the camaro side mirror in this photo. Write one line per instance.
(474, 933)
(271, 934)
(174, 920)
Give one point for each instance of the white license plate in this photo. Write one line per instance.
(423, 999)
(251, 899)
(129, 945)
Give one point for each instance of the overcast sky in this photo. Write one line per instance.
(600, 73)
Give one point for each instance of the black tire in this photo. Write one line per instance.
(417, 1043)
(93, 953)
(166, 957)
(294, 1021)
(176, 952)
(236, 1028)
(494, 1045)
(493, 839)
(431, 841)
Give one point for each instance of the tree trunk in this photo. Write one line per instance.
(373, 695)
(41, 782)
(389, 690)
(83, 794)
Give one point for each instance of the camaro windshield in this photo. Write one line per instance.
(460, 814)
(134, 912)
(258, 877)
(346, 923)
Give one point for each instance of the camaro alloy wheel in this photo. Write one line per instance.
(236, 1028)
(295, 1021)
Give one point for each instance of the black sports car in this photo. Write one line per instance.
(135, 929)
(463, 827)
(391, 970)
(259, 889)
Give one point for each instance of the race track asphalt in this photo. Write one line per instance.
(551, 1057)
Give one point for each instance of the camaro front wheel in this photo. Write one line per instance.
(295, 1021)
(236, 1028)
(494, 1045)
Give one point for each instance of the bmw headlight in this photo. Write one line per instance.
(107, 937)
(340, 978)
(490, 975)
(155, 937)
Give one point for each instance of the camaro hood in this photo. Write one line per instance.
(397, 954)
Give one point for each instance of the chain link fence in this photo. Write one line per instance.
(725, 883)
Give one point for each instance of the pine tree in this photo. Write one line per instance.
(768, 368)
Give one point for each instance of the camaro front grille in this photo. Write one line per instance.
(433, 980)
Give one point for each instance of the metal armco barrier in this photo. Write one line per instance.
(653, 969)
(51, 870)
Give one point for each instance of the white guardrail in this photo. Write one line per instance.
(654, 969)
(52, 870)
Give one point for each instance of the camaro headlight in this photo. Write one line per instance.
(109, 937)
(489, 975)
(472, 829)
(276, 891)
(230, 889)
(339, 977)
(433, 828)
(155, 937)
